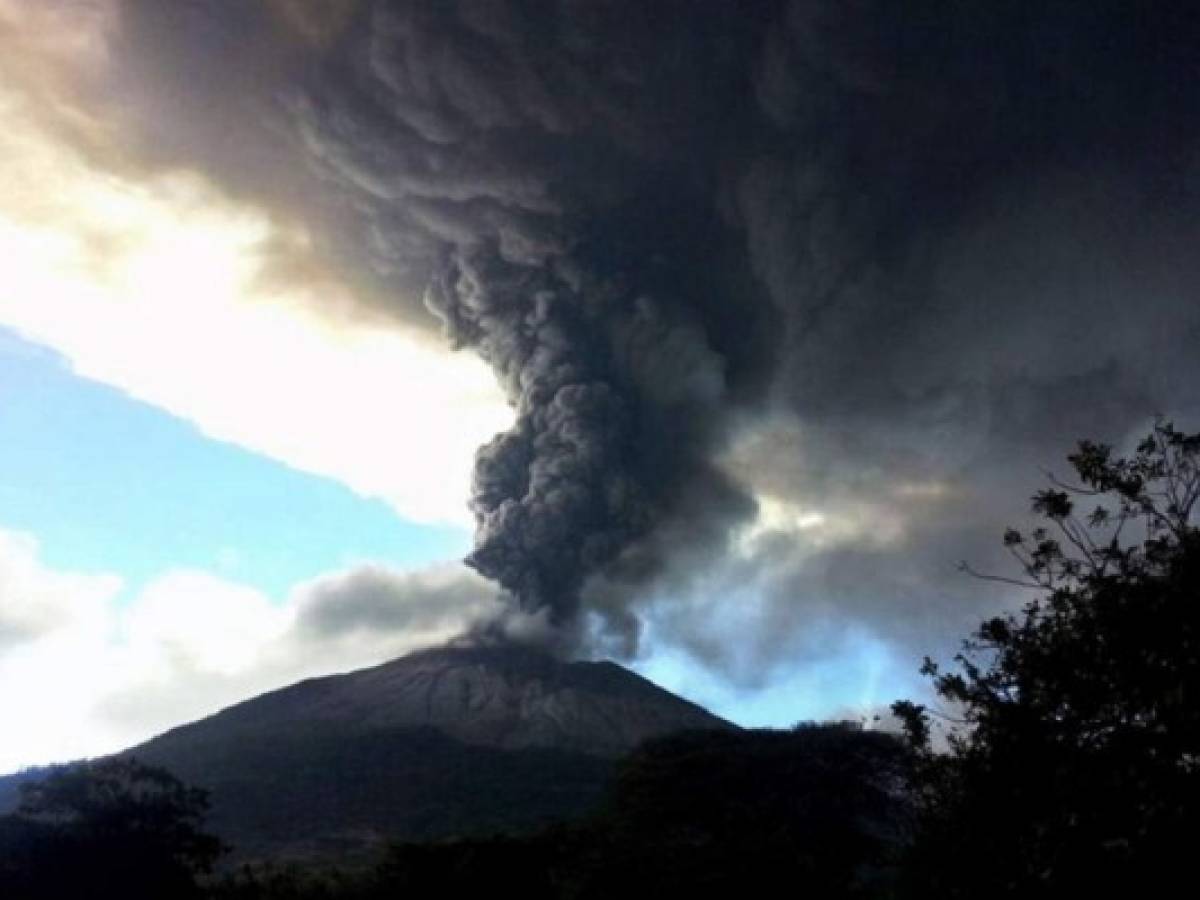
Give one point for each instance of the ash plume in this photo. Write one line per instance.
(929, 239)
(535, 182)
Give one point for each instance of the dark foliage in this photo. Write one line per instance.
(695, 814)
(10, 785)
(339, 796)
(114, 828)
(822, 806)
(1074, 766)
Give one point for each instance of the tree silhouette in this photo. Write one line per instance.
(1073, 759)
(714, 813)
(697, 814)
(110, 828)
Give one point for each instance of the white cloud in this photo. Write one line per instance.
(196, 621)
(48, 621)
(164, 287)
(82, 675)
(36, 603)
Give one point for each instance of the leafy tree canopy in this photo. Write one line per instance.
(1073, 750)
(108, 828)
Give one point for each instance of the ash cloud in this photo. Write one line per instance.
(534, 180)
(379, 600)
(925, 248)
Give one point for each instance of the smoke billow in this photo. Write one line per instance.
(548, 170)
(922, 236)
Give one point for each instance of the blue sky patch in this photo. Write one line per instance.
(109, 484)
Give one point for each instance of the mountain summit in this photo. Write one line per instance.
(442, 742)
(501, 697)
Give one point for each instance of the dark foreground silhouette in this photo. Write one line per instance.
(115, 829)
(696, 812)
(1075, 763)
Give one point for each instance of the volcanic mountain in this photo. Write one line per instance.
(443, 742)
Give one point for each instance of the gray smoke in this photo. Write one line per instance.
(527, 166)
(935, 240)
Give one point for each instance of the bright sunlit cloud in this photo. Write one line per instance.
(81, 676)
(160, 286)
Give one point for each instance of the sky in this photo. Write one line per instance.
(708, 337)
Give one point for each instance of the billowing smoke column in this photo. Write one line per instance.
(546, 169)
(650, 217)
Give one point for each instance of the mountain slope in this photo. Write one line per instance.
(504, 698)
(451, 741)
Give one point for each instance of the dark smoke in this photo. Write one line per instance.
(932, 238)
(584, 182)
(529, 166)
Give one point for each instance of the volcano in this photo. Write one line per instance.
(453, 741)
(506, 698)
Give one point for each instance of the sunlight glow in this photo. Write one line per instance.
(160, 285)
(815, 529)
